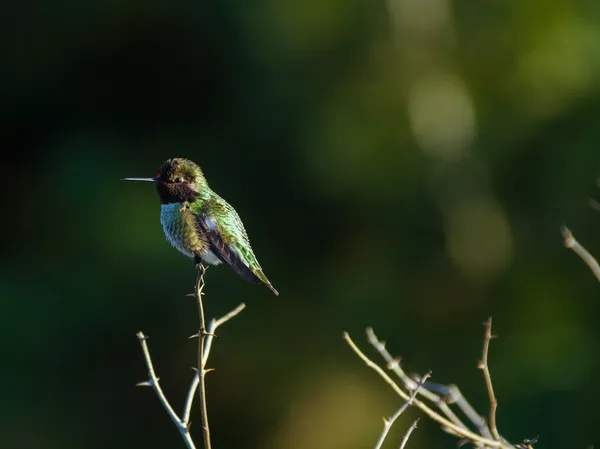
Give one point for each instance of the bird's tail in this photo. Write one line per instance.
(261, 278)
(239, 265)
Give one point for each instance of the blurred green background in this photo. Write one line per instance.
(405, 165)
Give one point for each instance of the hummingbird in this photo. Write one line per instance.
(201, 224)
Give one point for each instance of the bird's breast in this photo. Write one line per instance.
(179, 226)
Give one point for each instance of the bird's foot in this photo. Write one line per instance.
(199, 265)
(202, 333)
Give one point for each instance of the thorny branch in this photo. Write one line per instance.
(201, 373)
(387, 423)
(204, 347)
(442, 403)
(483, 365)
(448, 425)
(450, 422)
(446, 394)
(210, 334)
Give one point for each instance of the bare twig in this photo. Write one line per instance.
(387, 423)
(444, 422)
(465, 406)
(577, 248)
(205, 339)
(446, 394)
(187, 408)
(394, 365)
(201, 359)
(214, 324)
(483, 365)
(152, 381)
(408, 432)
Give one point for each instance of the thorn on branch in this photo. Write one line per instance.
(201, 333)
(422, 380)
(394, 363)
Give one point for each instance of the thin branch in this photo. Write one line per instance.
(449, 425)
(577, 248)
(483, 365)
(408, 432)
(465, 406)
(205, 339)
(387, 423)
(214, 324)
(189, 400)
(153, 382)
(394, 365)
(201, 359)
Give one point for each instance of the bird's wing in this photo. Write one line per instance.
(229, 242)
(223, 250)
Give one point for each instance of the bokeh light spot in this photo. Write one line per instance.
(442, 115)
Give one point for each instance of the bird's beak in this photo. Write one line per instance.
(140, 179)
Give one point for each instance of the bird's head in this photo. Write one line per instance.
(177, 180)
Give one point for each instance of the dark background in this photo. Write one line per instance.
(405, 165)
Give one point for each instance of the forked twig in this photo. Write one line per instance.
(444, 422)
(214, 324)
(577, 248)
(205, 340)
(210, 334)
(394, 365)
(483, 365)
(446, 394)
(387, 423)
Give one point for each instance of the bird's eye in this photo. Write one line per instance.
(178, 180)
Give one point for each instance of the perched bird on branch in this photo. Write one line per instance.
(201, 224)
